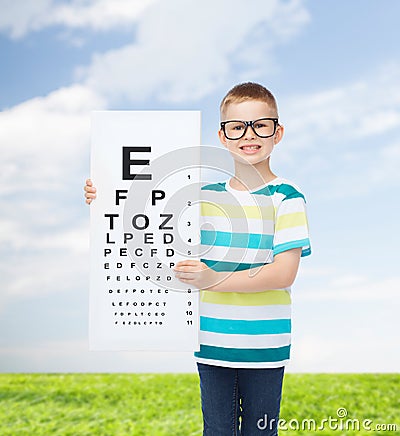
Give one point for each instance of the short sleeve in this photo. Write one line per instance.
(291, 223)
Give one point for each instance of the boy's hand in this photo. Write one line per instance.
(90, 191)
(196, 274)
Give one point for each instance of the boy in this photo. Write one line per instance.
(253, 234)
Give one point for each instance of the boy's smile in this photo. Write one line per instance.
(259, 151)
(250, 149)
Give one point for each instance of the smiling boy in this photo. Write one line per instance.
(253, 234)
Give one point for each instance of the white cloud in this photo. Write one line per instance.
(342, 287)
(387, 164)
(45, 156)
(21, 17)
(319, 352)
(181, 56)
(17, 18)
(347, 137)
(43, 139)
(344, 114)
(38, 273)
(42, 232)
(99, 14)
(340, 316)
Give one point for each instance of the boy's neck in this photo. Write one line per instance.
(247, 177)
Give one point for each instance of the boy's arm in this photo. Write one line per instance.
(279, 274)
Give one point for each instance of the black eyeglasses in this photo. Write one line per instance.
(236, 129)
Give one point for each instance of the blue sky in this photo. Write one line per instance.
(334, 68)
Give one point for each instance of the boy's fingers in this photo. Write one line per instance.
(188, 262)
(184, 268)
(187, 269)
(89, 189)
(185, 276)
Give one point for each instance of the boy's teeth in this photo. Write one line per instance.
(250, 147)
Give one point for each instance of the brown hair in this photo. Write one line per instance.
(248, 91)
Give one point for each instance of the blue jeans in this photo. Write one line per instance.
(240, 401)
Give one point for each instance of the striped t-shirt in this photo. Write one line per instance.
(243, 230)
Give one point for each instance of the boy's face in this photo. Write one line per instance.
(251, 148)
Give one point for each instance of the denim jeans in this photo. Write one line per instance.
(240, 401)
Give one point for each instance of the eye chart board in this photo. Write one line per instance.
(146, 169)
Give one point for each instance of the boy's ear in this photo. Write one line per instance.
(221, 136)
(280, 130)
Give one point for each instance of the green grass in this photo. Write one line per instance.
(373, 397)
(169, 404)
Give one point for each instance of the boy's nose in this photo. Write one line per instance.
(249, 134)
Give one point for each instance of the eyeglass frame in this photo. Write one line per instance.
(249, 124)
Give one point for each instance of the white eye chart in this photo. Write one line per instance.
(145, 166)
